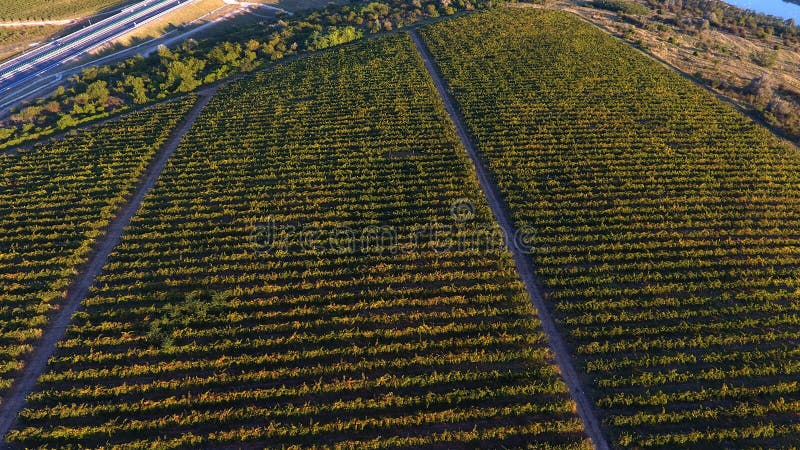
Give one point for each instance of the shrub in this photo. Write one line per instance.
(332, 37)
(622, 6)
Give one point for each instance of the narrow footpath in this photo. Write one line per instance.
(524, 265)
(36, 363)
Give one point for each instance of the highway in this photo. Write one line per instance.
(19, 71)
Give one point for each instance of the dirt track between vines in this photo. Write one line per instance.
(523, 263)
(36, 362)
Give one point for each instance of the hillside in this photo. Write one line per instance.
(54, 201)
(383, 227)
(304, 274)
(666, 226)
(751, 59)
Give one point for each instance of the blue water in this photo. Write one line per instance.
(777, 8)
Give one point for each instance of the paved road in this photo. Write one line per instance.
(24, 69)
(46, 81)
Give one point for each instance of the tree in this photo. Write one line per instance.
(137, 89)
(53, 107)
(332, 37)
(184, 74)
(166, 54)
(622, 6)
(98, 92)
(66, 121)
(766, 58)
(225, 53)
(375, 10)
(89, 73)
(27, 114)
(252, 45)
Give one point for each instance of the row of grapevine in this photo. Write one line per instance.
(237, 313)
(55, 200)
(12, 10)
(16, 39)
(668, 226)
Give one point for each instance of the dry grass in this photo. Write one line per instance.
(205, 9)
(727, 58)
(723, 61)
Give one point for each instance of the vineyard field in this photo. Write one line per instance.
(53, 9)
(279, 287)
(15, 40)
(55, 200)
(667, 226)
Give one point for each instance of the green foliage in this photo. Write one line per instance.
(766, 58)
(732, 19)
(432, 11)
(194, 307)
(66, 121)
(375, 11)
(97, 92)
(333, 36)
(182, 75)
(623, 6)
(666, 226)
(137, 89)
(195, 336)
(168, 72)
(27, 114)
(13, 36)
(225, 53)
(54, 201)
